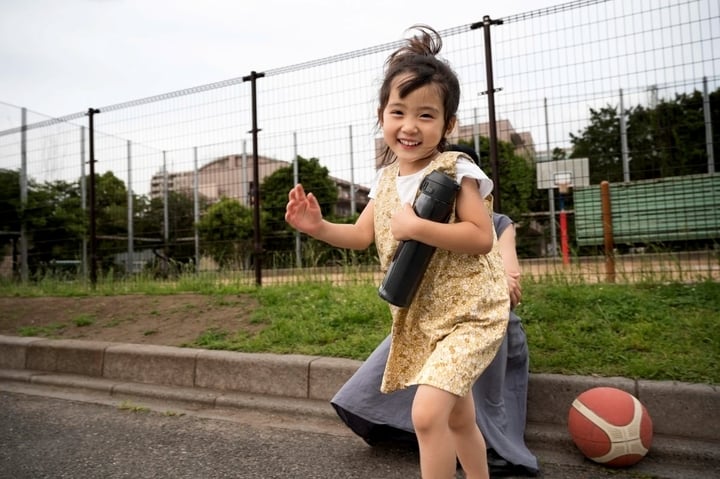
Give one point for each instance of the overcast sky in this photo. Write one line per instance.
(63, 56)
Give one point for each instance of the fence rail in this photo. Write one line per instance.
(631, 86)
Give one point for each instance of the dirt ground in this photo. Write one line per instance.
(172, 320)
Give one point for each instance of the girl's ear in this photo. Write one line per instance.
(380, 117)
(451, 126)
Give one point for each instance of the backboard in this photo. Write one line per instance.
(565, 173)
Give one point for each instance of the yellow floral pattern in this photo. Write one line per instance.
(453, 329)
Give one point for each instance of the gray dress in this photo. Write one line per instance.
(500, 395)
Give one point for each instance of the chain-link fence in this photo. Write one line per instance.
(578, 97)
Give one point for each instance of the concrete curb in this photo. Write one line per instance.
(685, 416)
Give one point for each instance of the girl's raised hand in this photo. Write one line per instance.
(303, 211)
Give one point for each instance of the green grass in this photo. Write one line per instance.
(42, 331)
(314, 318)
(131, 407)
(653, 331)
(641, 331)
(83, 320)
(649, 331)
(211, 284)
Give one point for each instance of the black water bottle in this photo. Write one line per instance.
(434, 202)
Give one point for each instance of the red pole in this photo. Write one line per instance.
(563, 226)
(564, 237)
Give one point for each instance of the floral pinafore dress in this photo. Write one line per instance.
(454, 326)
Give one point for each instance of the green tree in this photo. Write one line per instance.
(517, 177)
(665, 140)
(226, 230)
(558, 154)
(599, 142)
(517, 188)
(273, 198)
(9, 200)
(680, 134)
(149, 224)
(9, 212)
(645, 158)
(55, 223)
(110, 218)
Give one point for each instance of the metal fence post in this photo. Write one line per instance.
(24, 270)
(257, 238)
(93, 233)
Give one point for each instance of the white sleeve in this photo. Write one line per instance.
(465, 167)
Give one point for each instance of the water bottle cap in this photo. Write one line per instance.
(439, 186)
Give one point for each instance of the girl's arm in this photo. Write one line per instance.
(472, 233)
(506, 244)
(303, 213)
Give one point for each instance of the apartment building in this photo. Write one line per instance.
(231, 176)
(522, 141)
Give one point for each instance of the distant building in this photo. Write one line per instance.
(343, 207)
(522, 141)
(231, 176)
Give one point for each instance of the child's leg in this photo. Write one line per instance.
(468, 439)
(430, 415)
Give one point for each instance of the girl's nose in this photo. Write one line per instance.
(409, 126)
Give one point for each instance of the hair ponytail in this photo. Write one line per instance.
(427, 43)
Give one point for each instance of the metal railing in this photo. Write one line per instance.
(608, 81)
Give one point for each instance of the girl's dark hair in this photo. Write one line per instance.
(418, 58)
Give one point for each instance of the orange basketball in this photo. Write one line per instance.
(610, 426)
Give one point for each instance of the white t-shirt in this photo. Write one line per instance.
(407, 186)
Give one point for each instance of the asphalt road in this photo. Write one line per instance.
(48, 437)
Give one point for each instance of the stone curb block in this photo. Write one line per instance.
(191, 396)
(18, 375)
(13, 351)
(70, 356)
(696, 415)
(73, 381)
(551, 395)
(149, 364)
(306, 407)
(280, 375)
(327, 375)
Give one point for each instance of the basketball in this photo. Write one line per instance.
(610, 426)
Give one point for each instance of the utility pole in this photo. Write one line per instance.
(485, 25)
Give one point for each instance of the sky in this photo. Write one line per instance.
(59, 57)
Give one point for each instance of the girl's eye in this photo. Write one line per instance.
(395, 112)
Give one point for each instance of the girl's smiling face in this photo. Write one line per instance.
(413, 126)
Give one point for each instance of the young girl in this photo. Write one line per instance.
(453, 328)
